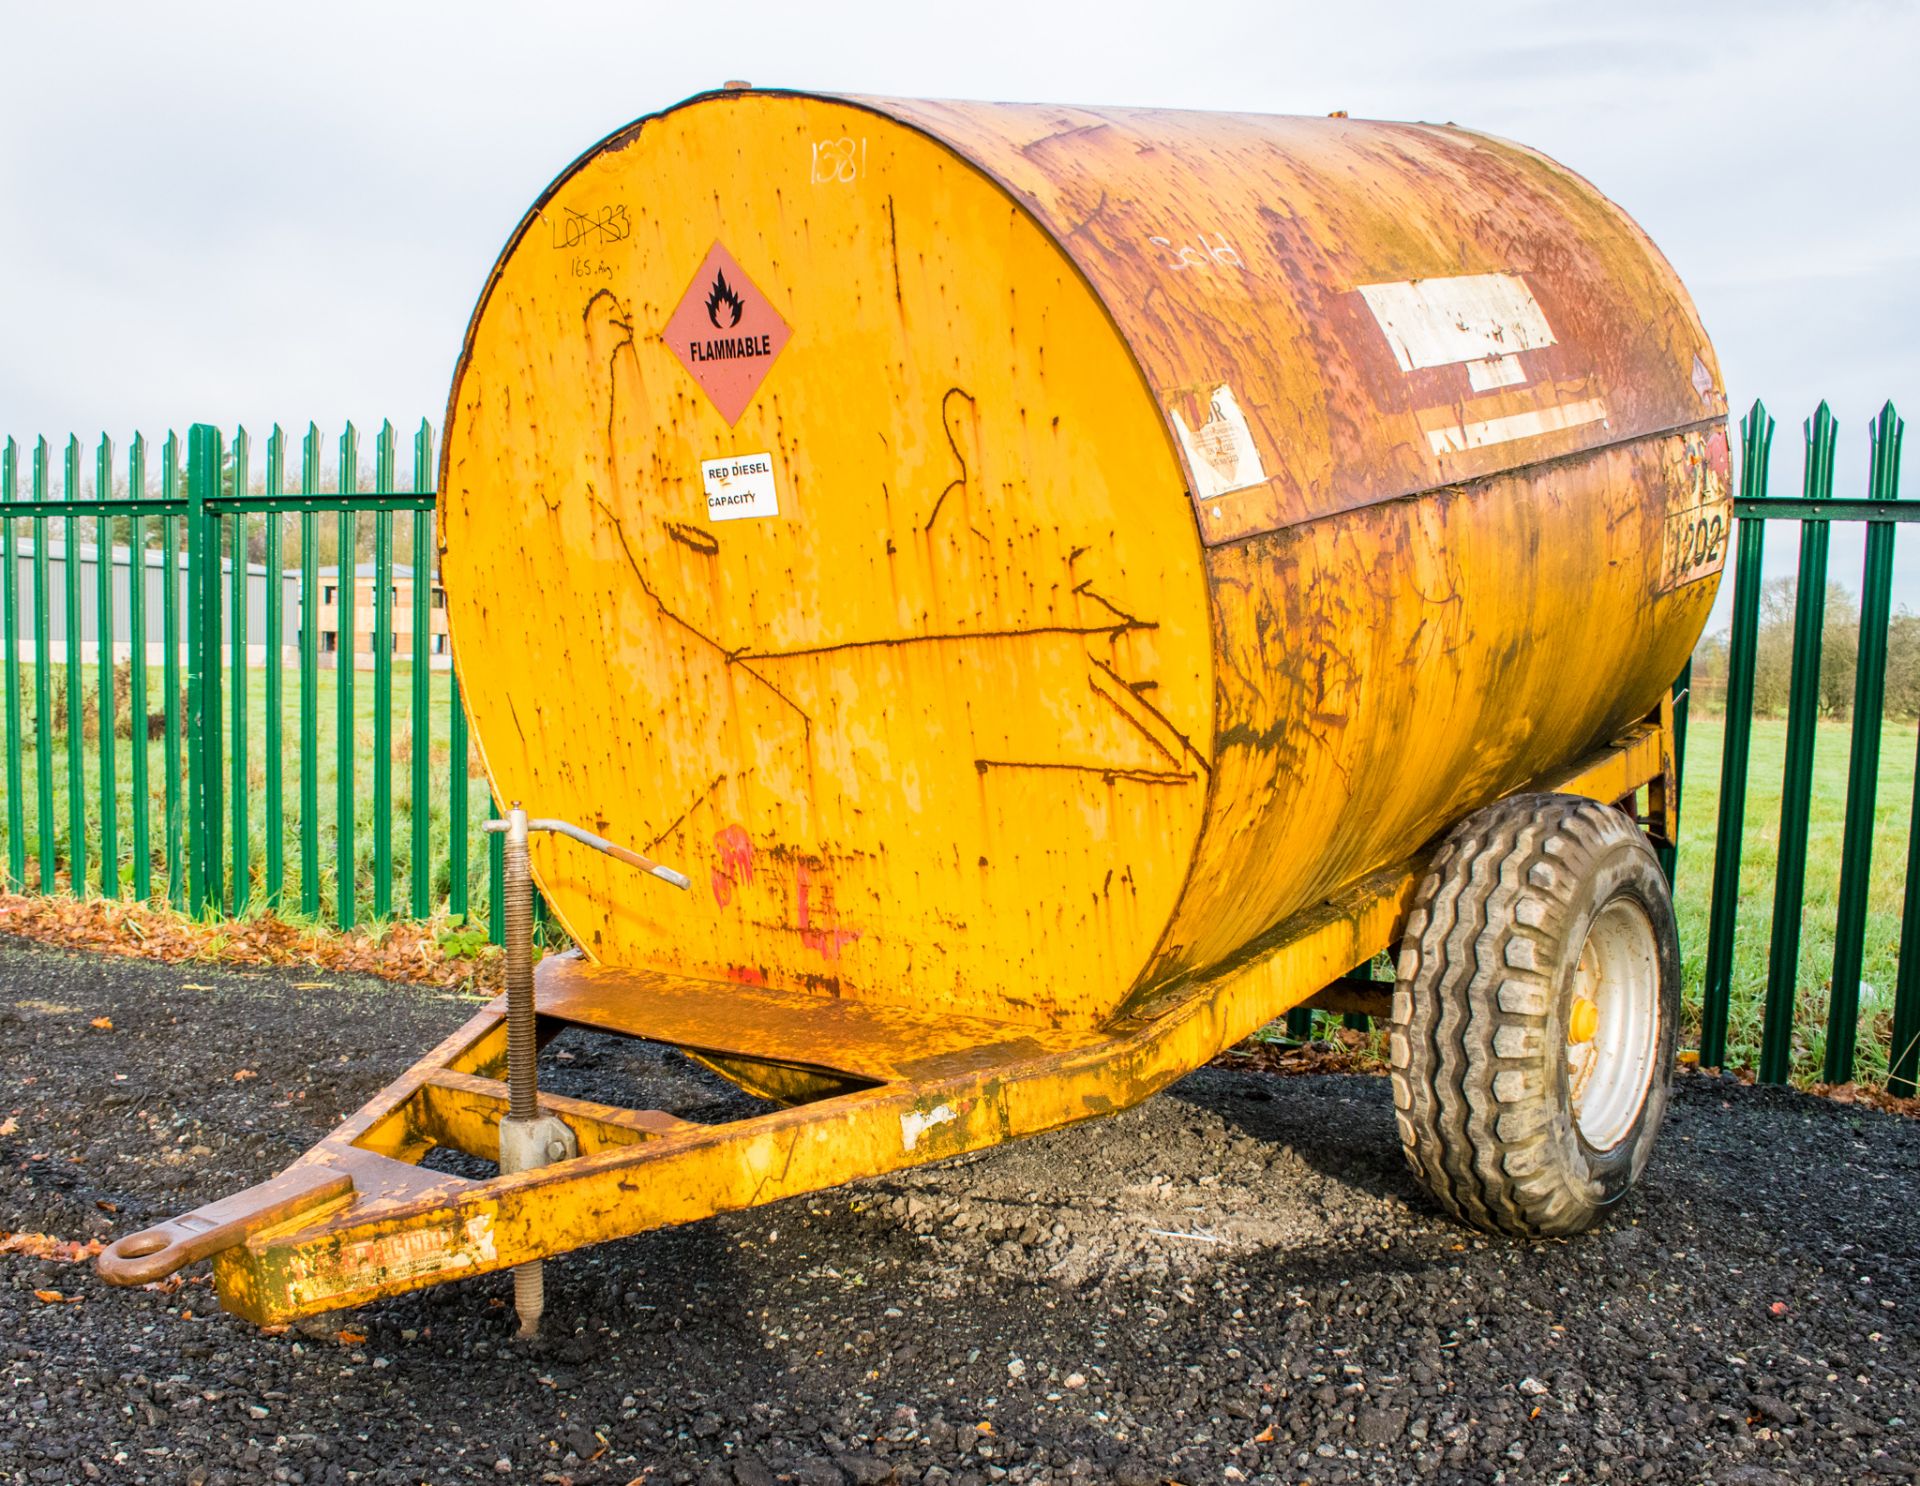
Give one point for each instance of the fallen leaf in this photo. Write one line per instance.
(1779, 1307)
(1264, 1437)
(9, 1125)
(349, 1338)
(46, 1246)
(274, 1330)
(106, 1206)
(410, 951)
(54, 1297)
(1689, 1055)
(241, 1075)
(102, 1023)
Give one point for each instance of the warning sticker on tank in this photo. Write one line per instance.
(1220, 452)
(739, 486)
(725, 333)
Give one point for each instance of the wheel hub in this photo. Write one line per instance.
(1613, 1025)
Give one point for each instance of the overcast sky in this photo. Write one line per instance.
(244, 213)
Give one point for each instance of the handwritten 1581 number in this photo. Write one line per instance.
(839, 162)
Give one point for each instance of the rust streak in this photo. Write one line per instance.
(1158, 716)
(730, 657)
(960, 459)
(805, 721)
(1086, 589)
(902, 641)
(893, 247)
(702, 542)
(1135, 776)
(699, 800)
(1133, 722)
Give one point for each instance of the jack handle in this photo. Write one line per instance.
(601, 843)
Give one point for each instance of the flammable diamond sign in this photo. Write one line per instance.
(726, 334)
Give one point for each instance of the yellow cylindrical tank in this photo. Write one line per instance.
(1011, 556)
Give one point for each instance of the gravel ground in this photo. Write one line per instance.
(1237, 1281)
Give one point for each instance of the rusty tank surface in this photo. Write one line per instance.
(1168, 518)
(1063, 586)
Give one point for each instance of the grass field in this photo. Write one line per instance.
(1700, 806)
(1692, 889)
(360, 751)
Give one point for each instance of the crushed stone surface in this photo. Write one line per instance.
(1237, 1281)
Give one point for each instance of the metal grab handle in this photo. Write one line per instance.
(601, 843)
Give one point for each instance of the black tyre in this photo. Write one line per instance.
(1534, 1015)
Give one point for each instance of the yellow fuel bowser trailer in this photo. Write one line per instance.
(1066, 586)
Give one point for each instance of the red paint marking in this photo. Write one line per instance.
(827, 940)
(746, 975)
(736, 863)
(736, 853)
(1718, 459)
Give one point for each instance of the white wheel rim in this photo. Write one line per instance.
(1610, 1070)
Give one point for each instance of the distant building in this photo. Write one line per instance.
(122, 591)
(326, 615)
(258, 581)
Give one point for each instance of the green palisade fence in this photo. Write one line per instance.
(1815, 509)
(216, 799)
(180, 640)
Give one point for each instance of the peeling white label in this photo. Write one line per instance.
(1460, 437)
(480, 1237)
(914, 1124)
(1220, 452)
(739, 486)
(1499, 371)
(1482, 319)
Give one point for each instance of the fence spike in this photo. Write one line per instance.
(1803, 705)
(16, 742)
(103, 669)
(138, 740)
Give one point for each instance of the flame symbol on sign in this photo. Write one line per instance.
(723, 294)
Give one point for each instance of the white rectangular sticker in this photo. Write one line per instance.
(1479, 434)
(1482, 319)
(739, 486)
(1220, 453)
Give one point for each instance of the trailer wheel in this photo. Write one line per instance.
(1534, 1015)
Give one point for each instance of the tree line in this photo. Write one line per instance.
(1839, 657)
